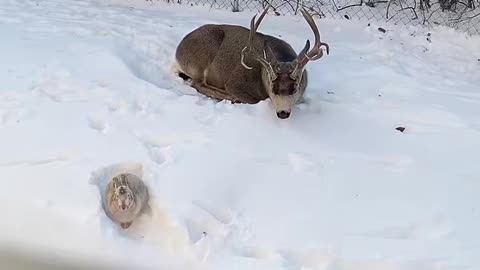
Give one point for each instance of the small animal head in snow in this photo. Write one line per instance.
(285, 81)
(122, 195)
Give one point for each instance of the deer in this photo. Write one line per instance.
(241, 65)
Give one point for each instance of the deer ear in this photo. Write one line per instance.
(305, 49)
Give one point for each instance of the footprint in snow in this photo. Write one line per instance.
(97, 123)
(61, 86)
(161, 148)
(158, 155)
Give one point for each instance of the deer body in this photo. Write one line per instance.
(216, 59)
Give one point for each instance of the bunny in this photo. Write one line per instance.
(126, 198)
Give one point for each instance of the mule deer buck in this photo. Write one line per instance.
(231, 62)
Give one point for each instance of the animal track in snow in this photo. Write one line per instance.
(160, 148)
(60, 86)
(158, 155)
(98, 123)
(211, 227)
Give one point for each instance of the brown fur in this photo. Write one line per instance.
(216, 49)
(211, 57)
(125, 199)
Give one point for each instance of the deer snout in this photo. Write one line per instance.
(283, 105)
(283, 114)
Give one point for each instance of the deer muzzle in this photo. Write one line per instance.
(283, 105)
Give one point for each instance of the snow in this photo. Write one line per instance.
(87, 91)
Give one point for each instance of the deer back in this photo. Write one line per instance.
(217, 47)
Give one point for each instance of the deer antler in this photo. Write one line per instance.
(265, 63)
(253, 30)
(315, 53)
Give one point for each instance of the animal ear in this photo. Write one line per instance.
(115, 182)
(124, 180)
(305, 49)
(297, 72)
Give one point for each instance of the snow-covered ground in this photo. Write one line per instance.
(87, 91)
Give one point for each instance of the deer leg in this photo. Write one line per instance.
(212, 91)
(244, 92)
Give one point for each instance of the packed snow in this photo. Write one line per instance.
(87, 91)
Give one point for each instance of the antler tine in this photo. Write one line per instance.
(257, 24)
(250, 43)
(316, 52)
(316, 32)
(253, 30)
(254, 26)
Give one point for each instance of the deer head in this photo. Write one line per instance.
(282, 80)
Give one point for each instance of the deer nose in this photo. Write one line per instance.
(283, 114)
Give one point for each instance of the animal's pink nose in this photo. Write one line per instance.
(124, 206)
